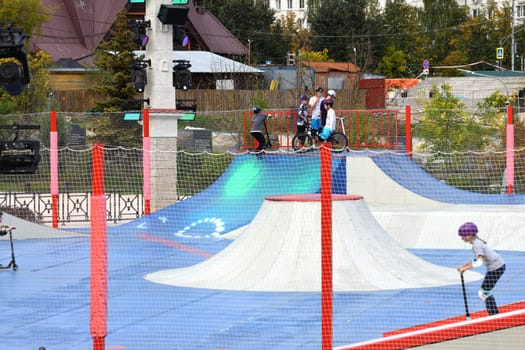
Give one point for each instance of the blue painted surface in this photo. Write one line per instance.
(235, 197)
(46, 302)
(408, 174)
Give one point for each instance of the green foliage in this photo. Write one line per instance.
(403, 31)
(63, 128)
(441, 32)
(28, 15)
(339, 27)
(296, 37)
(440, 20)
(259, 100)
(231, 122)
(253, 20)
(318, 56)
(445, 127)
(114, 58)
(394, 63)
(196, 172)
(34, 97)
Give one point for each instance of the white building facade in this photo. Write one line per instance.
(283, 8)
(300, 7)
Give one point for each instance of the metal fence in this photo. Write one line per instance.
(73, 207)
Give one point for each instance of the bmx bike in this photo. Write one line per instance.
(304, 140)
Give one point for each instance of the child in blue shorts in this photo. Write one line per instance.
(329, 127)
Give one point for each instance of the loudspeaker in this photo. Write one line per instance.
(176, 15)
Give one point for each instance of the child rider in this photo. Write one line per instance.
(482, 255)
(329, 126)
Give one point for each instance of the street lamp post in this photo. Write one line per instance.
(249, 52)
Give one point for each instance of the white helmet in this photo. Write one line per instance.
(331, 93)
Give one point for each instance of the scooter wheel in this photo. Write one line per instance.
(15, 267)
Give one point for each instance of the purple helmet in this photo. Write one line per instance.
(303, 97)
(468, 228)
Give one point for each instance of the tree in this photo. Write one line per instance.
(35, 97)
(403, 33)
(394, 63)
(28, 15)
(446, 127)
(114, 58)
(253, 21)
(338, 25)
(440, 20)
(294, 36)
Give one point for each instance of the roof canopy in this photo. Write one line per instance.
(208, 62)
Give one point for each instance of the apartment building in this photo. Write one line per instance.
(284, 7)
(300, 7)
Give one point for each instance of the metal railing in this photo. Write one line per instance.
(73, 207)
(364, 129)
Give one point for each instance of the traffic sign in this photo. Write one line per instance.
(426, 66)
(499, 53)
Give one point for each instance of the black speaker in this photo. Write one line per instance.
(19, 157)
(176, 15)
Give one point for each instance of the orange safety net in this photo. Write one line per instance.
(401, 83)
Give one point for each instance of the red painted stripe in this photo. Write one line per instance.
(505, 308)
(311, 197)
(176, 245)
(444, 332)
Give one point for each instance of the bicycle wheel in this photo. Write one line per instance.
(301, 141)
(339, 142)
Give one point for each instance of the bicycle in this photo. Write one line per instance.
(268, 140)
(304, 140)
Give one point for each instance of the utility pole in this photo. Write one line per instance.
(249, 52)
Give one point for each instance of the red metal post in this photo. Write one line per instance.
(408, 132)
(53, 163)
(146, 163)
(326, 246)
(98, 259)
(510, 151)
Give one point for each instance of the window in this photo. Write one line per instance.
(277, 4)
(301, 4)
(520, 11)
(290, 4)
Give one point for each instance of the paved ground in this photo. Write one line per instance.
(46, 302)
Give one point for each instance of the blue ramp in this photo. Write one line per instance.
(236, 196)
(408, 174)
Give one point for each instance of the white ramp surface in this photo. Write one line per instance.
(30, 230)
(280, 250)
(418, 222)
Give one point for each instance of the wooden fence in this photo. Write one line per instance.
(218, 100)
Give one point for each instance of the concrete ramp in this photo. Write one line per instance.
(421, 212)
(29, 230)
(505, 330)
(280, 250)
